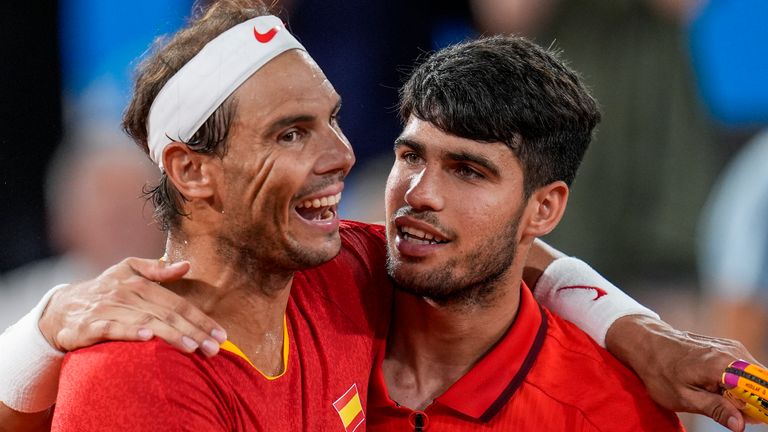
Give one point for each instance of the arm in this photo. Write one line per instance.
(681, 370)
(121, 304)
(127, 303)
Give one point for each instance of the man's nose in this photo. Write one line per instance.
(336, 153)
(424, 191)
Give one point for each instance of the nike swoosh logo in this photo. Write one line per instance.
(267, 36)
(599, 291)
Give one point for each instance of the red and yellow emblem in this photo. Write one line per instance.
(350, 409)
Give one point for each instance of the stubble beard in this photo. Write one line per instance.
(259, 253)
(477, 287)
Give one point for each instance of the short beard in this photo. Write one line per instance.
(262, 258)
(476, 289)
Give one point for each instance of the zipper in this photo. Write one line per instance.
(418, 422)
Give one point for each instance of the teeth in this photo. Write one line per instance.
(414, 232)
(420, 236)
(321, 202)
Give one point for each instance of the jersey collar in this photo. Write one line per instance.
(489, 385)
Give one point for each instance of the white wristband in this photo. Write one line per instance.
(29, 365)
(573, 290)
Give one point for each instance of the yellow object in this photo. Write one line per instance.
(230, 347)
(754, 406)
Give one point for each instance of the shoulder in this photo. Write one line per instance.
(363, 236)
(152, 366)
(119, 358)
(110, 358)
(141, 384)
(575, 371)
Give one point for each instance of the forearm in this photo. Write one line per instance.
(635, 340)
(681, 370)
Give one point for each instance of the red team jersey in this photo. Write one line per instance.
(544, 375)
(332, 329)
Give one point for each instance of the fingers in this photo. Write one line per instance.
(718, 409)
(177, 321)
(158, 271)
(184, 341)
(169, 316)
(99, 331)
(174, 329)
(125, 304)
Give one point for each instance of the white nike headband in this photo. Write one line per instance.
(187, 100)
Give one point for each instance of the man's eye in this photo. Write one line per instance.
(291, 136)
(411, 158)
(468, 172)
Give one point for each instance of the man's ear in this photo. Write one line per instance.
(189, 171)
(546, 206)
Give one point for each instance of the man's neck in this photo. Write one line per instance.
(430, 347)
(247, 300)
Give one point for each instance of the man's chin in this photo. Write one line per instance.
(413, 281)
(443, 287)
(312, 254)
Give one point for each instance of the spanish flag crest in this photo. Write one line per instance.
(350, 409)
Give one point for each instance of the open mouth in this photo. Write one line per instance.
(319, 209)
(419, 237)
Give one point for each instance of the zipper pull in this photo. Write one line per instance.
(419, 421)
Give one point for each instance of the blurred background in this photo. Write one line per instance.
(671, 201)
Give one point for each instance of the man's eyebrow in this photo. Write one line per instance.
(281, 123)
(460, 156)
(415, 145)
(475, 159)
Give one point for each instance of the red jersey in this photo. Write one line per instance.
(332, 331)
(544, 375)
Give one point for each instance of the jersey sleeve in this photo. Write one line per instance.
(136, 386)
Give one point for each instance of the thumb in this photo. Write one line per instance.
(719, 409)
(157, 270)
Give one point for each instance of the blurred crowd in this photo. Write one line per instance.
(671, 201)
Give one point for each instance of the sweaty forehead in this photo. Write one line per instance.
(290, 76)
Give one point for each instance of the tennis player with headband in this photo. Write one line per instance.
(260, 205)
(243, 124)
